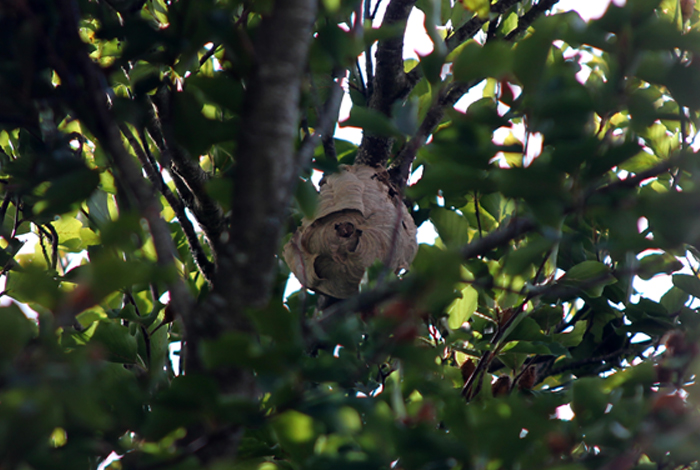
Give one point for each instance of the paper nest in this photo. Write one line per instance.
(360, 218)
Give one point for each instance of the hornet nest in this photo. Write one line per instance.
(360, 219)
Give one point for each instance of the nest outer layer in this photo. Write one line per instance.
(360, 218)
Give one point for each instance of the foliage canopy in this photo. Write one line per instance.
(159, 147)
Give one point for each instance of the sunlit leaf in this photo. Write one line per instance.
(461, 309)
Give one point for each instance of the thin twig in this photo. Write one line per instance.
(54, 245)
(369, 65)
(528, 18)
(327, 117)
(471, 27)
(588, 361)
(189, 177)
(42, 236)
(93, 97)
(208, 55)
(200, 258)
(477, 213)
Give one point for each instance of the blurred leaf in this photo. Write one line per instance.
(657, 263)
(119, 344)
(295, 432)
(452, 227)
(476, 62)
(480, 7)
(462, 308)
(307, 198)
(589, 400)
(15, 331)
(371, 121)
(531, 53)
(590, 276)
(687, 283)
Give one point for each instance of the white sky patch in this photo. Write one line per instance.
(292, 286)
(427, 233)
(110, 458)
(349, 133)
(588, 9)
(474, 94)
(565, 413)
(417, 43)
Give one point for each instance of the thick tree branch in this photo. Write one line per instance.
(390, 83)
(265, 174)
(265, 171)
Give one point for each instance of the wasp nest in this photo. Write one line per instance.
(360, 219)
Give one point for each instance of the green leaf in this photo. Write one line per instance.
(32, 284)
(72, 236)
(462, 308)
(307, 198)
(67, 190)
(591, 276)
(687, 283)
(15, 331)
(589, 401)
(119, 344)
(574, 337)
(476, 62)
(526, 330)
(674, 299)
(452, 227)
(371, 121)
(548, 316)
(519, 260)
(658, 263)
(480, 7)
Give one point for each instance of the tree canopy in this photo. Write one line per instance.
(158, 154)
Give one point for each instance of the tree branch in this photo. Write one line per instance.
(188, 176)
(389, 85)
(265, 171)
(327, 118)
(89, 89)
(528, 18)
(471, 27)
(369, 65)
(205, 266)
(265, 174)
(400, 167)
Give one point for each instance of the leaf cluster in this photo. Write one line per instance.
(155, 155)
